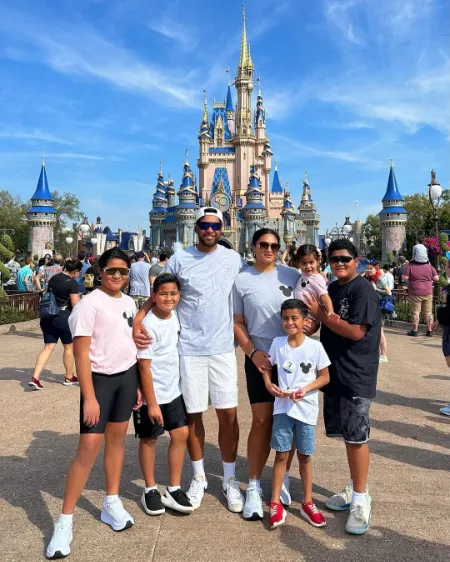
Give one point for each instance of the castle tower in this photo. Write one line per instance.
(276, 197)
(308, 214)
(254, 212)
(393, 218)
(159, 211)
(41, 217)
(185, 211)
(288, 214)
(170, 193)
(244, 140)
(229, 109)
(204, 139)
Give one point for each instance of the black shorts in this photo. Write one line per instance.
(116, 395)
(347, 418)
(446, 341)
(256, 389)
(174, 416)
(57, 328)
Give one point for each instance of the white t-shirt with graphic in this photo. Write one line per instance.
(205, 310)
(163, 352)
(297, 367)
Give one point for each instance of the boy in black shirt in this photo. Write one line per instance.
(352, 344)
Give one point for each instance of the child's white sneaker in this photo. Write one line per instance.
(59, 546)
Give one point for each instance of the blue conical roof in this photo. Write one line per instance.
(276, 184)
(392, 191)
(229, 106)
(42, 190)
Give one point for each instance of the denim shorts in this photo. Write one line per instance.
(283, 430)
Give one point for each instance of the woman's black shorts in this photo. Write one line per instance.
(116, 395)
(57, 328)
(256, 388)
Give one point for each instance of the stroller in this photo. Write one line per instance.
(387, 306)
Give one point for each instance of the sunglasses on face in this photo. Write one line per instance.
(265, 246)
(340, 259)
(216, 226)
(123, 271)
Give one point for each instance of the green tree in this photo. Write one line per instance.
(373, 232)
(12, 213)
(420, 216)
(67, 208)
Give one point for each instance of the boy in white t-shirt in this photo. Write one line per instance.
(302, 367)
(164, 409)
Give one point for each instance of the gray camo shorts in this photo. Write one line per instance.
(347, 418)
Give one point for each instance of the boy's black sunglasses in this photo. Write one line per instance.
(341, 259)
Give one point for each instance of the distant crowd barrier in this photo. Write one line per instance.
(19, 307)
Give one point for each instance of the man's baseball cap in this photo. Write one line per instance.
(208, 212)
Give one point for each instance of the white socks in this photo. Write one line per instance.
(66, 519)
(358, 498)
(111, 498)
(255, 483)
(173, 488)
(229, 471)
(148, 488)
(199, 468)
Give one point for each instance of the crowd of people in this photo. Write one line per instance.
(156, 342)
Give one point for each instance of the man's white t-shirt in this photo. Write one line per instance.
(205, 310)
(297, 367)
(163, 352)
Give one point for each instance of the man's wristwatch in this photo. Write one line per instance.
(252, 353)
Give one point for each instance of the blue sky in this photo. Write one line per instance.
(110, 87)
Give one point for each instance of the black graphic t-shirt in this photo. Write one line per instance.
(354, 364)
(62, 287)
(443, 309)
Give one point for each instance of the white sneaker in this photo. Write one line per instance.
(59, 546)
(233, 494)
(383, 359)
(445, 410)
(358, 521)
(342, 500)
(253, 509)
(116, 516)
(197, 490)
(285, 496)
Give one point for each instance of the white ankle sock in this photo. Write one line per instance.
(359, 498)
(229, 471)
(66, 519)
(112, 498)
(254, 482)
(351, 482)
(286, 477)
(148, 488)
(199, 468)
(173, 488)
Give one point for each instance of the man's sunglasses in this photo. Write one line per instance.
(216, 226)
(340, 259)
(265, 246)
(123, 271)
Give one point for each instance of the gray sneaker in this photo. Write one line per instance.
(342, 500)
(358, 521)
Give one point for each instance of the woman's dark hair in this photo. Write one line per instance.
(262, 232)
(73, 265)
(295, 304)
(343, 244)
(307, 250)
(41, 262)
(113, 253)
(165, 278)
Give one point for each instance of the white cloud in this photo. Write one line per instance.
(184, 35)
(34, 135)
(338, 13)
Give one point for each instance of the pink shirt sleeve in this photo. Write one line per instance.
(318, 285)
(86, 316)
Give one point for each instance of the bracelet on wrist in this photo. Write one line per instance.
(252, 353)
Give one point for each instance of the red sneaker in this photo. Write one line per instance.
(35, 384)
(310, 512)
(70, 382)
(277, 515)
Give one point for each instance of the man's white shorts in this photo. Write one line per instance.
(209, 376)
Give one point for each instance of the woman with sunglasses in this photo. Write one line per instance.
(374, 274)
(105, 357)
(259, 292)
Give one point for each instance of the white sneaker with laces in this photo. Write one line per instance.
(383, 359)
(115, 515)
(445, 410)
(253, 509)
(233, 494)
(285, 496)
(358, 521)
(59, 546)
(197, 490)
(342, 500)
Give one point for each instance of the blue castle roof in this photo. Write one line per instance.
(276, 184)
(222, 112)
(221, 175)
(42, 190)
(392, 191)
(41, 209)
(393, 210)
(229, 106)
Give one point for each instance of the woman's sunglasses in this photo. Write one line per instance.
(216, 226)
(340, 259)
(123, 271)
(265, 246)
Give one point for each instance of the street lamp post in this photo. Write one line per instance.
(434, 194)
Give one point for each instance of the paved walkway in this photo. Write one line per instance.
(410, 475)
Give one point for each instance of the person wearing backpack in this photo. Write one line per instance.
(56, 327)
(443, 320)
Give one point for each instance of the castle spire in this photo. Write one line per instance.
(243, 59)
(204, 125)
(160, 197)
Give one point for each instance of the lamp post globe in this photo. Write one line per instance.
(69, 240)
(327, 240)
(347, 227)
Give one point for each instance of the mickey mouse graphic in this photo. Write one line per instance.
(129, 318)
(304, 282)
(287, 291)
(305, 368)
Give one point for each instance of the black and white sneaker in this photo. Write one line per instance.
(151, 502)
(178, 501)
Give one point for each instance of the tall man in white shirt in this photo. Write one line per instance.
(208, 368)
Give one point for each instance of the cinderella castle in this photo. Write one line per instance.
(234, 166)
